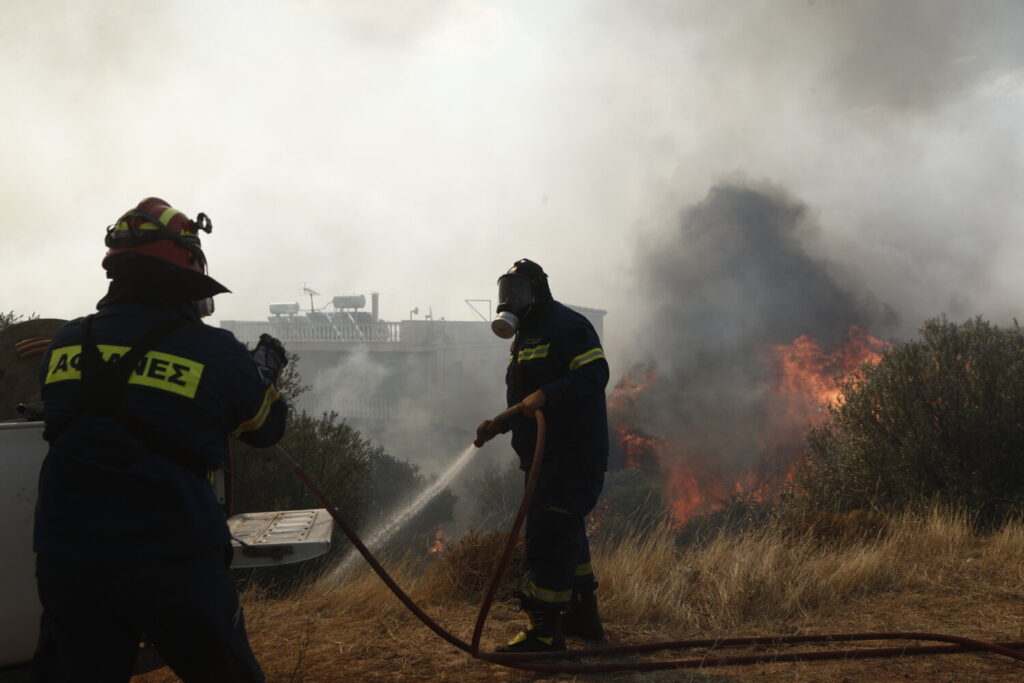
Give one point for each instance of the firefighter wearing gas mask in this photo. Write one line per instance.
(140, 399)
(556, 364)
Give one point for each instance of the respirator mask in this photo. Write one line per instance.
(515, 296)
(203, 307)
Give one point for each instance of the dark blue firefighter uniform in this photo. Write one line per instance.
(558, 351)
(129, 534)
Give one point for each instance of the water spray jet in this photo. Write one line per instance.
(383, 533)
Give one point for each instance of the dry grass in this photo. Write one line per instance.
(772, 576)
(911, 573)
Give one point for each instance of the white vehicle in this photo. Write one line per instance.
(263, 539)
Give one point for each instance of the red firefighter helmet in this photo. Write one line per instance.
(155, 228)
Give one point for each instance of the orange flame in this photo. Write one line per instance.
(441, 541)
(807, 379)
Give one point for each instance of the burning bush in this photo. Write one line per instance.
(698, 471)
(467, 566)
(742, 514)
(941, 418)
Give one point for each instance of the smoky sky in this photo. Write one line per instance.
(419, 147)
(737, 277)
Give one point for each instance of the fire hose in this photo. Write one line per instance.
(536, 661)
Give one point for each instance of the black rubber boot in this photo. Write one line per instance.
(544, 633)
(582, 619)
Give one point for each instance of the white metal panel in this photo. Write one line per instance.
(21, 453)
(265, 539)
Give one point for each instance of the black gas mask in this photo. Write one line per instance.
(515, 297)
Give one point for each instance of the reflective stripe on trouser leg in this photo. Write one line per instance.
(556, 540)
(584, 578)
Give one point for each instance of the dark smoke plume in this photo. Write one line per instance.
(736, 278)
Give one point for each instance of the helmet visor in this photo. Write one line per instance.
(514, 292)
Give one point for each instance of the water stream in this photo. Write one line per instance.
(379, 537)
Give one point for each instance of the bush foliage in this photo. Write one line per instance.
(364, 483)
(11, 318)
(938, 419)
(331, 453)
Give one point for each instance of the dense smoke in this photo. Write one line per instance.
(349, 145)
(418, 148)
(736, 278)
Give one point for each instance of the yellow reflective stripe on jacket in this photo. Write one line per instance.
(156, 369)
(257, 420)
(587, 357)
(545, 595)
(534, 352)
(584, 569)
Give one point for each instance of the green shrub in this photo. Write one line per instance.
(938, 419)
(11, 318)
(331, 453)
(363, 482)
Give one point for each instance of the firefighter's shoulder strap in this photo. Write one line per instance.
(104, 384)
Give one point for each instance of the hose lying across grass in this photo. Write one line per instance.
(536, 661)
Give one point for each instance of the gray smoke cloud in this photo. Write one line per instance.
(418, 148)
(736, 278)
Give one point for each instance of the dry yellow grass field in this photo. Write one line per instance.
(927, 573)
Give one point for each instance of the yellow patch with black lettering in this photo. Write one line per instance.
(156, 369)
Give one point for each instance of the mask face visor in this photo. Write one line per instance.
(514, 293)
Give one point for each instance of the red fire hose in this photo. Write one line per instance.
(535, 661)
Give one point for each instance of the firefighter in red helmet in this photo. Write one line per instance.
(157, 230)
(140, 399)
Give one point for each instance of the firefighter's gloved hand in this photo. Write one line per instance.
(269, 357)
(487, 430)
(532, 403)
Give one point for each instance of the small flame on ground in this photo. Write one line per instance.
(441, 541)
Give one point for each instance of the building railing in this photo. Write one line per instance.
(379, 332)
(372, 409)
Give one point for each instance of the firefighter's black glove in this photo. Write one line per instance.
(269, 357)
